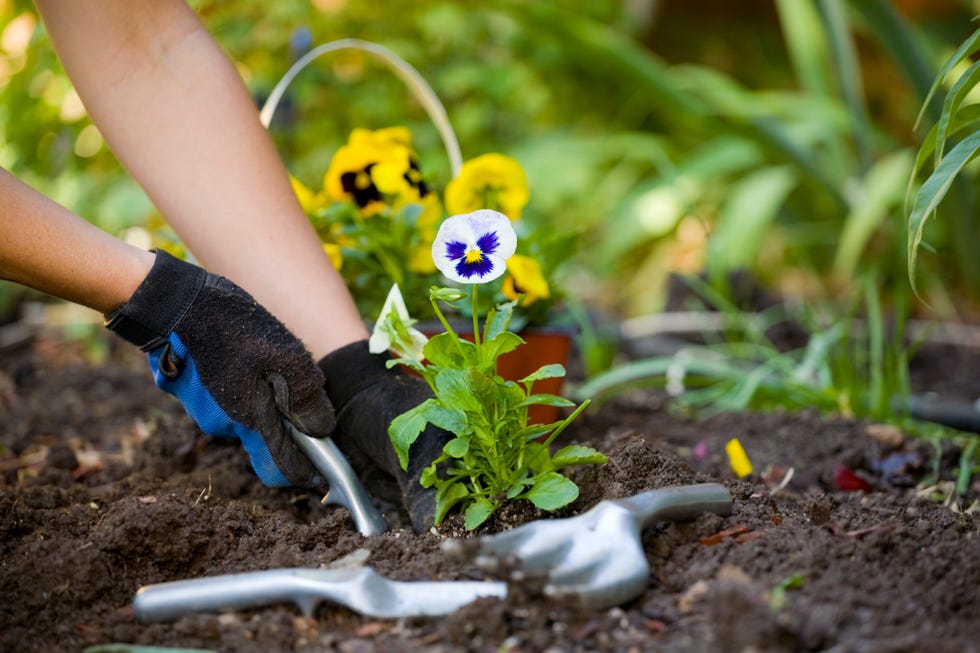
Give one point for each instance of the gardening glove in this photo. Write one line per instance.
(236, 369)
(367, 397)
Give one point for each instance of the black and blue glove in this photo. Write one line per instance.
(367, 397)
(237, 370)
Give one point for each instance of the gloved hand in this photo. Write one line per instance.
(236, 369)
(367, 397)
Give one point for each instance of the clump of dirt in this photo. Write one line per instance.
(107, 486)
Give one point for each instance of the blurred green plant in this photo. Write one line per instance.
(854, 363)
(951, 144)
(786, 169)
(769, 180)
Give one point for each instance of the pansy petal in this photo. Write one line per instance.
(474, 247)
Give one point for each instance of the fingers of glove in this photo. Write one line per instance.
(312, 413)
(273, 468)
(285, 454)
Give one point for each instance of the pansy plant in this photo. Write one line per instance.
(378, 216)
(496, 455)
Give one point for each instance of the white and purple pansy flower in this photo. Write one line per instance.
(474, 247)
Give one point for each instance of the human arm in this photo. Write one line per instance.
(176, 113)
(47, 247)
(238, 371)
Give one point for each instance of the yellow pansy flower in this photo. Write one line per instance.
(373, 165)
(525, 277)
(491, 181)
(310, 201)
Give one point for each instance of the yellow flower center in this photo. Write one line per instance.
(474, 256)
(363, 180)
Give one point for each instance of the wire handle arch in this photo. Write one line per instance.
(410, 76)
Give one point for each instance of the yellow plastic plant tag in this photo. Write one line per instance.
(737, 458)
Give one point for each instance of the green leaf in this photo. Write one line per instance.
(498, 320)
(536, 458)
(545, 400)
(448, 496)
(457, 447)
(552, 491)
(961, 88)
(484, 389)
(752, 207)
(535, 431)
(448, 419)
(448, 350)
(501, 344)
(577, 455)
(968, 47)
(884, 188)
(454, 389)
(405, 429)
(934, 190)
(478, 512)
(966, 119)
(552, 371)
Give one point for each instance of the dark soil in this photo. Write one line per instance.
(108, 486)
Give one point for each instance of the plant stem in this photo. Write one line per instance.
(441, 317)
(476, 315)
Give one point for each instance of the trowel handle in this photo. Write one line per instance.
(165, 601)
(679, 503)
(345, 488)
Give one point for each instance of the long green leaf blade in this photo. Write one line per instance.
(934, 190)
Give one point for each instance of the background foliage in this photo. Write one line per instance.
(771, 135)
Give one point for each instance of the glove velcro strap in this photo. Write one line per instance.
(159, 302)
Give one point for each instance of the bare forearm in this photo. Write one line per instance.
(46, 247)
(173, 109)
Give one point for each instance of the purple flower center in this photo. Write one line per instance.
(474, 262)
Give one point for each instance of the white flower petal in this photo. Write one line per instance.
(473, 247)
(381, 339)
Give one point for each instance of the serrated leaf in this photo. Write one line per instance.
(453, 387)
(477, 513)
(577, 455)
(552, 491)
(405, 429)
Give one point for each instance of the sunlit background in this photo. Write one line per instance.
(771, 136)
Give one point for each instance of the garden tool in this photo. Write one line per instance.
(595, 558)
(345, 488)
(361, 589)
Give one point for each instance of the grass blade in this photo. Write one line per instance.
(934, 190)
